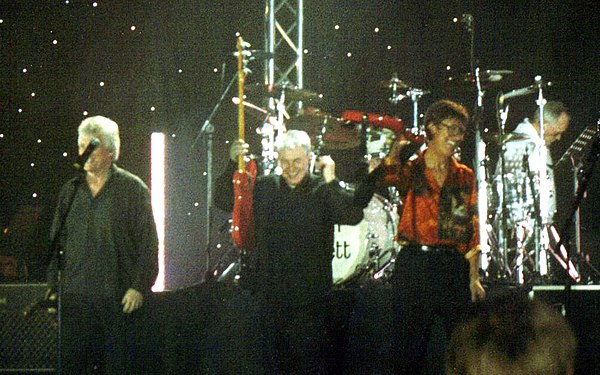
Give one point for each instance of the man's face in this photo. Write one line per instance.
(294, 164)
(99, 161)
(446, 136)
(553, 132)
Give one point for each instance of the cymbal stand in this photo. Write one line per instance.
(541, 220)
(272, 128)
(502, 222)
(481, 172)
(480, 148)
(318, 146)
(414, 95)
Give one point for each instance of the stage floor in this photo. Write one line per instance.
(210, 329)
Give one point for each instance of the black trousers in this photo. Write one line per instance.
(96, 336)
(426, 285)
(296, 339)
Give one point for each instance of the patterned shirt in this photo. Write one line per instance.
(434, 215)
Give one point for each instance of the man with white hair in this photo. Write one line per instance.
(107, 252)
(294, 215)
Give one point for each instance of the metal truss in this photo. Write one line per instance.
(284, 27)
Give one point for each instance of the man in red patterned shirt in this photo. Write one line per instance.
(437, 268)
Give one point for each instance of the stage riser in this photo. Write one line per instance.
(211, 329)
(581, 309)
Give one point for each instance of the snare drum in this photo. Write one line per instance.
(368, 247)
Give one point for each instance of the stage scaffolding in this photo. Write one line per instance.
(284, 27)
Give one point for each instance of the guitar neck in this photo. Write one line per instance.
(241, 111)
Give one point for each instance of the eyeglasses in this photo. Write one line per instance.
(454, 129)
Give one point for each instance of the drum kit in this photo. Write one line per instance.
(514, 247)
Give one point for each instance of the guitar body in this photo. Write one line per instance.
(242, 219)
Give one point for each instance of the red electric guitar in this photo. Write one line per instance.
(242, 221)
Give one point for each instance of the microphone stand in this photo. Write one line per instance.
(58, 251)
(208, 130)
(480, 148)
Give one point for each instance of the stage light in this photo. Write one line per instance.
(157, 191)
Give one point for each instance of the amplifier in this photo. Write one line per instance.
(28, 337)
(581, 307)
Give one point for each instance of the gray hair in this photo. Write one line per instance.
(552, 112)
(293, 139)
(103, 128)
(512, 334)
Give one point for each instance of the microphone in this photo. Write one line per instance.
(467, 20)
(83, 158)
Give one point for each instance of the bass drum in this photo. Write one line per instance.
(365, 252)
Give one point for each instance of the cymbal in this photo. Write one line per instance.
(335, 133)
(508, 137)
(389, 84)
(289, 92)
(485, 76)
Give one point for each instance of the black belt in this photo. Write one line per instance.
(432, 249)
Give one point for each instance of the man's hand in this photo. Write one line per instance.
(132, 300)
(477, 290)
(238, 147)
(327, 166)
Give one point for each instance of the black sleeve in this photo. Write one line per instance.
(367, 187)
(145, 265)
(342, 208)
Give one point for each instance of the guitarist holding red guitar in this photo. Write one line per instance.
(294, 214)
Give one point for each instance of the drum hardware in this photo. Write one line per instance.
(386, 272)
(274, 124)
(395, 84)
(501, 140)
(415, 94)
(401, 90)
(519, 201)
(326, 131)
(287, 90)
(378, 133)
(367, 249)
(485, 76)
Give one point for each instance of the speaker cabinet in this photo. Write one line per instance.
(28, 335)
(581, 306)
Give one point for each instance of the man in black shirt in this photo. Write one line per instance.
(294, 215)
(108, 258)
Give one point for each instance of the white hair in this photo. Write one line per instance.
(103, 128)
(293, 139)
